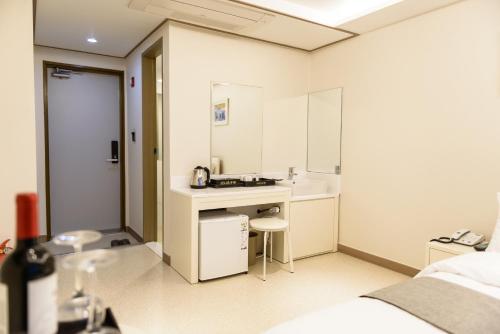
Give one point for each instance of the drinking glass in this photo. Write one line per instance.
(77, 239)
(89, 262)
(76, 309)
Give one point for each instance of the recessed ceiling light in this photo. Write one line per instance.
(91, 40)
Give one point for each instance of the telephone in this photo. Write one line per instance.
(462, 237)
(466, 237)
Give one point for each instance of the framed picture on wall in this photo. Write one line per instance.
(221, 112)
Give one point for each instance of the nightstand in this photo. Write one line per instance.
(437, 251)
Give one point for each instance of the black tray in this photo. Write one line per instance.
(231, 183)
(225, 183)
(260, 183)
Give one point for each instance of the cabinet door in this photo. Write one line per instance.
(311, 226)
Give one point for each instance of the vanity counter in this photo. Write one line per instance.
(186, 204)
(236, 191)
(212, 192)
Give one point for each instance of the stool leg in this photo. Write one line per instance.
(271, 258)
(264, 258)
(290, 255)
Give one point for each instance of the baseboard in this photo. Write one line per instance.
(166, 258)
(134, 234)
(380, 261)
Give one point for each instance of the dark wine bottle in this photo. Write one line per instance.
(28, 280)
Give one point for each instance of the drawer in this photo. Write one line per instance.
(438, 255)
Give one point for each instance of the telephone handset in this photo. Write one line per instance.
(462, 237)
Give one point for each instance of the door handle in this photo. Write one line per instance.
(114, 152)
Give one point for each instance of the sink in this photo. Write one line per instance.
(303, 187)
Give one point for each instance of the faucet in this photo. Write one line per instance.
(291, 173)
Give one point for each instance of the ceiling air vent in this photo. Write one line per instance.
(217, 14)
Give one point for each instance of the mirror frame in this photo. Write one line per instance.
(212, 83)
(336, 171)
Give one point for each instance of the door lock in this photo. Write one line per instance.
(114, 152)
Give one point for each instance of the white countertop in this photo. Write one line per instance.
(210, 192)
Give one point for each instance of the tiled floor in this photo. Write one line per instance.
(148, 296)
(104, 242)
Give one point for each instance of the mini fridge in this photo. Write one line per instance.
(223, 244)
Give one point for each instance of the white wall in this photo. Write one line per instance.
(17, 138)
(65, 57)
(193, 58)
(421, 120)
(197, 57)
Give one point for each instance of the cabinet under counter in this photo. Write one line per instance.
(314, 226)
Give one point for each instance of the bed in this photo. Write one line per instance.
(472, 277)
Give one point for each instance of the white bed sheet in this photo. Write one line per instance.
(475, 271)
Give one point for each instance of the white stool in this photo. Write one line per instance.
(268, 225)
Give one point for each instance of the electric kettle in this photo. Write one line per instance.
(201, 177)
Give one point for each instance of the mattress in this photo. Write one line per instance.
(477, 271)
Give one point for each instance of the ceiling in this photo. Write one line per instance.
(119, 25)
(68, 24)
(395, 13)
(327, 12)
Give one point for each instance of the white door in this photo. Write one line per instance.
(83, 121)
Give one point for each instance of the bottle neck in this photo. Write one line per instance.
(27, 217)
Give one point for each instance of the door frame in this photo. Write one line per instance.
(149, 128)
(121, 88)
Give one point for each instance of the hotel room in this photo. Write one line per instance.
(250, 166)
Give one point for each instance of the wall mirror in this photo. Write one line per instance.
(324, 118)
(236, 129)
